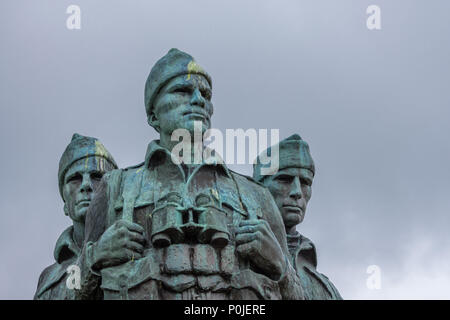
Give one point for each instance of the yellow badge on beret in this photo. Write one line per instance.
(193, 67)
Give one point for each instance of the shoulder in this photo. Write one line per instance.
(112, 175)
(256, 191)
(332, 290)
(134, 168)
(113, 180)
(48, 278)
(248, 181)
(256, 196)
(46, 272)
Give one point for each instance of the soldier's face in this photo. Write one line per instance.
(183, 100)
(80, 182)
(291, 189)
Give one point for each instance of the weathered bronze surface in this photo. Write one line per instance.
(162, 230)
(291, 189)
(81, 168)
(166, 229)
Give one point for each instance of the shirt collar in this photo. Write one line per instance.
(308, 250)
(65, 246)
(155, 151)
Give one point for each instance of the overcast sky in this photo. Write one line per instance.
(373, 105)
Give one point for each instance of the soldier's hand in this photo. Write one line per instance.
(121, 242)
(256, 242)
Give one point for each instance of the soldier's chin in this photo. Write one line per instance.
(190, 125)
(80, 215)
(292, 218)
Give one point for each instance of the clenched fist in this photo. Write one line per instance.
(256, 242)
(121, 242)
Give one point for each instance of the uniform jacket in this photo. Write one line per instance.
(316, 286)
(135, 192)
(52, 281)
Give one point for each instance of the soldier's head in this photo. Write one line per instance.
(81, 168)
(291, 185)
(177, 93)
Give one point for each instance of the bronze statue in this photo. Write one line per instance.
(291, 189)
(81, 168)
(167, 230)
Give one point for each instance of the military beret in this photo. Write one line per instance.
(81, 147)
(173, 64)
(292, 152)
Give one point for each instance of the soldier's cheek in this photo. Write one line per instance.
(177, 101)
(209, 108)
(167, 104)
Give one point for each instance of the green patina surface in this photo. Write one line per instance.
(291, 188)
(167, 230)
(81, 166)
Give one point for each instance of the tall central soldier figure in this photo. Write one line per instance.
(163, 230)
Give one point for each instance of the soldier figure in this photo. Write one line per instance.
(291, 189)
(167, 230)
(81, 168)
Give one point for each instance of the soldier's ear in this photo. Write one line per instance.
(66, 210)
(153, 121)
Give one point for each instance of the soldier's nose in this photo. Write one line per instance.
(296, 190)
(86, 184)
(197, 98)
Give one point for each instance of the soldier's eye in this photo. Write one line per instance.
(206, 94)
(96, 176)
(306, 182)
(75, 178)
(182, 90)
(284, 178)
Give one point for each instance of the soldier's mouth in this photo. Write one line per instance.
(84, 203)
(296, 209)
(194, 114)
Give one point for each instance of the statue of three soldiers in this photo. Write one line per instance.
(167, 230)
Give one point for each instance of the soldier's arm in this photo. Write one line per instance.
(95, 225)
(107, 243)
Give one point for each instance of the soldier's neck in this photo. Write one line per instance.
(166, 142)
(291, 230)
